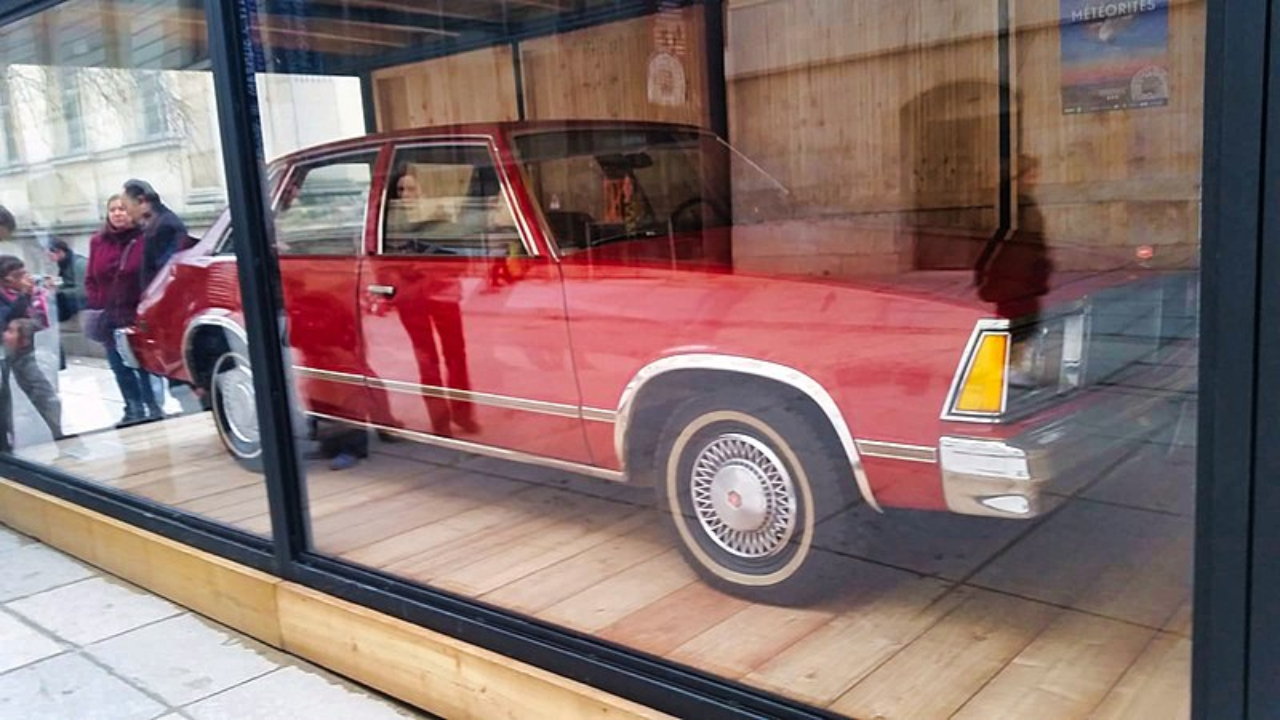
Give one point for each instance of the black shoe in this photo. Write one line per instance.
(130, 420)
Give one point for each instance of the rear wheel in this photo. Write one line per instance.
(234, 409)
(746, 485)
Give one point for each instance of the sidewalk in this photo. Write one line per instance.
(78, 643)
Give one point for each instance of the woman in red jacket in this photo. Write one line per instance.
(113, 285)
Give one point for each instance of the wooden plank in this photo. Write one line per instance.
(187, 481)
(750, 637)
(662, 626)
(134, 459)
(433, 671)
(534, 593)
(526, 518)
(897, 610)
(616, 597)
(359, 494)
(256, 505)
(1064, 674)
(535, 554)
(212, 505)
(476, 86)
(386, 531)
(1158, 685)
(937, 673)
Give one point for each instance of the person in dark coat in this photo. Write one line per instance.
(163, 233)
(71, 271)
(113, 285)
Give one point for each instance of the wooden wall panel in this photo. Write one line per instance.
(477, 86)
(1109, 182)
(882, 118)
(603, 72)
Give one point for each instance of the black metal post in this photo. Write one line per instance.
(1234, 111)
(1264, 587)
(1008, 202)
(231, 50)
(370, 102)
(517, 70)
(717, 83)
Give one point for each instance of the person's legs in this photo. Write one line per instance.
(447, 319)
(148, 394)
(352, 445)
(127, 381)
(29, 376)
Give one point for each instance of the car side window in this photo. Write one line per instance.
(321, 210)
(448, 201)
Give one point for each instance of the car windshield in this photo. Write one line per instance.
(601, 185)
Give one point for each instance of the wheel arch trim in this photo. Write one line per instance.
(783, 374)
(218, 318)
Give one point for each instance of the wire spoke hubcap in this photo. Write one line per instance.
(743, 496)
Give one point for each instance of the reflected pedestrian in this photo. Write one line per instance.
(8, 225)
(22, 299)
(69, 286)
(113, 288)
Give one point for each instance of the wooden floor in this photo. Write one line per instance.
(1084, 613)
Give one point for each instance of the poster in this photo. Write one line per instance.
(1115, 55)
(668, 83)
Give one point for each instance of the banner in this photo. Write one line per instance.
(1115, 55)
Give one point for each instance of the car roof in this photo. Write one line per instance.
(464, 130)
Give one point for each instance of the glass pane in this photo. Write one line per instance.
(120, 332)
(862, 373)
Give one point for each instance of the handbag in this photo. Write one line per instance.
(93, 323)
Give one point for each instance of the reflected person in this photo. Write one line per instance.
(22, 299)
(430, 309)
(8, 224)
(1014, 271)
(112, 286)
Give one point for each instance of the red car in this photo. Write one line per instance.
(565, 294)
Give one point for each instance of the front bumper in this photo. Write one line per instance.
(1031, 472)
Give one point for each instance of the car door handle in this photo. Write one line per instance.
(388, 290)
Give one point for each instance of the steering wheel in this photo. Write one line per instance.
(717, 210)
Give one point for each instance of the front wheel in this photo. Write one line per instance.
(234, 409)
(747, 489)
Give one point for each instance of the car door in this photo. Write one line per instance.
(321, 213)
(464, 328)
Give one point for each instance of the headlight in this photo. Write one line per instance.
(1005, 372)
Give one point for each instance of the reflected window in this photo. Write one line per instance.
(154, 97)
(8, 129)
(448, 200)
(71, 111)
(322, 208)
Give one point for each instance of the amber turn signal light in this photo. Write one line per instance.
(983, 388)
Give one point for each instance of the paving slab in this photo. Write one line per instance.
(93, 609)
